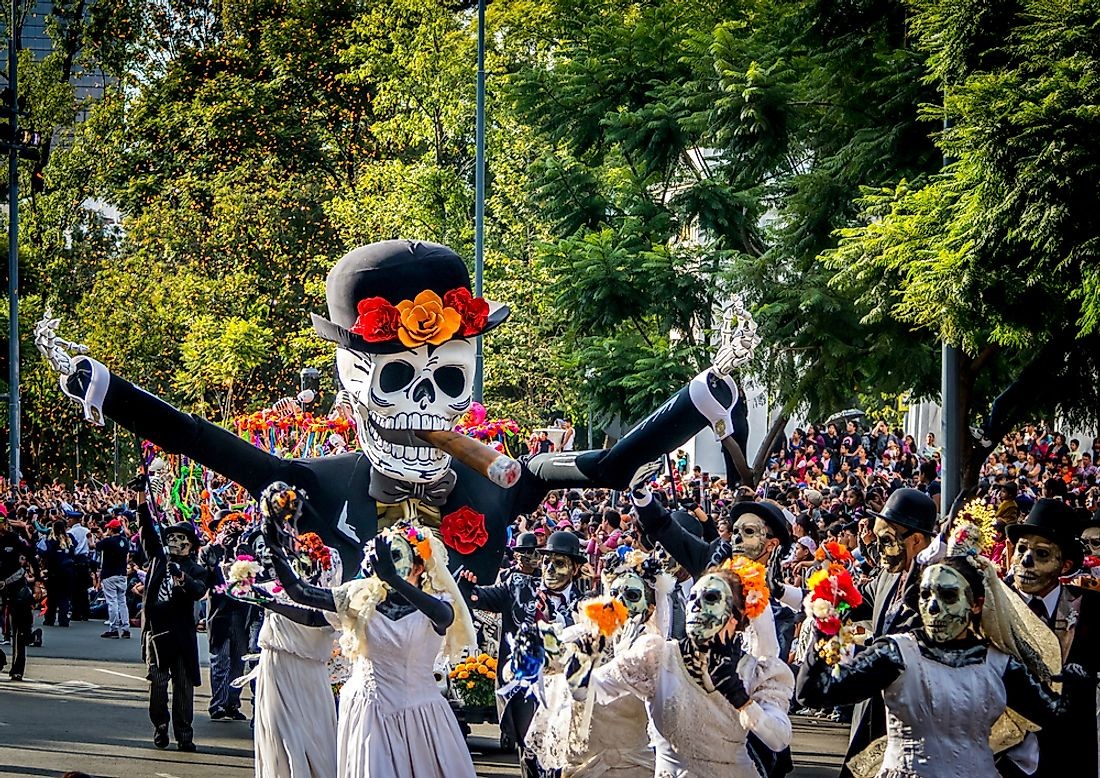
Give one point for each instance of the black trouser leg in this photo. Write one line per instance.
(22, 619)
(183, 702)
(82, 579)
(158, 695)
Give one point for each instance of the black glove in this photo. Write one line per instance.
(380, 559)
(722, 661)
(1074, 674)
(174, 570)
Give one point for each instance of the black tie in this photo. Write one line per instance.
(1039, 608)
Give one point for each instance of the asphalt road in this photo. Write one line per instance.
(82, 706)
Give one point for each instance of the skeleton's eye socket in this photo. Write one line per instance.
(395, 375)
(712, 597)
(451, 380)
(632, 595)
(948, 596)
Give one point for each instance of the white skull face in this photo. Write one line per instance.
(946, 602)
(629, 589)
(1036, 564)
(710, 606)
(178, 544)
(427, 388)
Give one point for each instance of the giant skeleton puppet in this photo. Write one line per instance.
(404, 321)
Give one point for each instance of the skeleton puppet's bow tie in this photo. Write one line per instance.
(424, 500)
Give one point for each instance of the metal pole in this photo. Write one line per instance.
(951, 433)
(479, 193)
(14, 419)
(114, 446)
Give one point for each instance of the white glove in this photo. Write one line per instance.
(55, 349)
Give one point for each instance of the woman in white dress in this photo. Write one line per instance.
(295, 713)
(393, 721)
(706, 693)
(946, 685)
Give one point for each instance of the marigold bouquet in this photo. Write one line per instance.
(832, 595)
(474, 679)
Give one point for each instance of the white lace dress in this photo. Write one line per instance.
(696, 734)
(393, 722)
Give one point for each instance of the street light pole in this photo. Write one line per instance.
(14, 410)
(479, 193)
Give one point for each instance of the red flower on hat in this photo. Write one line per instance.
(473, 310)
(378, 320)
(464, 530)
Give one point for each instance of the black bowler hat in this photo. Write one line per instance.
(688, 522)
(772, 516)
(1053, 520)
(563, 542)
(526, 541)
(910, 508)
(396, 295)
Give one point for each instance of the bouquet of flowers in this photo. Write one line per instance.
(241, 576)
(474, 680)
(832, 595)
(833, 552)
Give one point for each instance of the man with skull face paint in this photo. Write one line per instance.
(524, 600)
(404, 321)
(945, 684)
(174, 582)
(705, 694)
(1045, 547)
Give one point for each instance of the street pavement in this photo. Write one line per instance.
(82, 706)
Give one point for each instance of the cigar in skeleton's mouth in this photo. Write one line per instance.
(497, 467)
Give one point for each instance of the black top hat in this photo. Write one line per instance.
(526, 541)
(910, 508)
(771, 514)
(1053, 520)
(563, 542)
(397, 295)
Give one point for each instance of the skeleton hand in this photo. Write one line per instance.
(56, 350)
(286, 406)
(280, 507)
(343, 406)
(380, 559)
(737, 342)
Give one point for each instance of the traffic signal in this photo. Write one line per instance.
(26, 143)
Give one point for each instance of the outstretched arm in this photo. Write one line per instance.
(380, 558)
(316, 597)
(150, 540)
(693, 553)
(869, 673)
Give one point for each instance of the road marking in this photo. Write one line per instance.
(121, 675)
(165, 775)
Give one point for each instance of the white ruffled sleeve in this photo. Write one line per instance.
(634, 671)
(770, 685)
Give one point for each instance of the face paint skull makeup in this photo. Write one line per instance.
(750, 536)
(426, 388)
(946, 603)
(629, 589)
(527, 562)
(666, 562)
(1036, 564)
(709, 607)
(558, 571)
(404, 558)
(178, 544)
(891, 546)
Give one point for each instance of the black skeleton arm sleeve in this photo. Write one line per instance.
(298, 590)
(150, 540)
(691, 552)
(868, 674)
(308, 617)
(440, 613)
(1028, 697)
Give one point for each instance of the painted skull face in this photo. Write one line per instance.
(527, 561)
(178, 544)
(1036, 564)
(427, 388)
(557, 571)
(263, 553)
(709, 607)
(666, 562)
(1090, 538)
(891, 546)
(629, 589)
(404, 558)
(946, 603)
(750, 536)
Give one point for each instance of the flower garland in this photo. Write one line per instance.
(754, 583)
(603, 615)
(428, 318)
(315, 550)
(832, 595)
(834, 552)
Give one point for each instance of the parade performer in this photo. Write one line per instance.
(610, 740)
(174, 582)
(393, 721)
(947, 682)
(523, 600)
(1045, 547)
(294, 710)
(405, 323)
(15, 595)
(706, 693)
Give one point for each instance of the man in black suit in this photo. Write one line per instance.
(902, 530)
(1045, 548)
(523, 600)
(174, 582)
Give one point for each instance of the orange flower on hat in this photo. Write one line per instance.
(426, 320)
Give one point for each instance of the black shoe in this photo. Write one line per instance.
(235, 715)
(16, 676)
(187, 746)
(110, 634)
(160, 737)
(218, 714)
(126, 634)
(36, 638)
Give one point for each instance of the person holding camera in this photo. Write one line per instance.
(174, 582)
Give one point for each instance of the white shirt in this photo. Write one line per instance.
(1050, 600)
(80, 535)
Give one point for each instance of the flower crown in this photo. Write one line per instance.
(416, 536)
(426, 319)
(754, 583)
